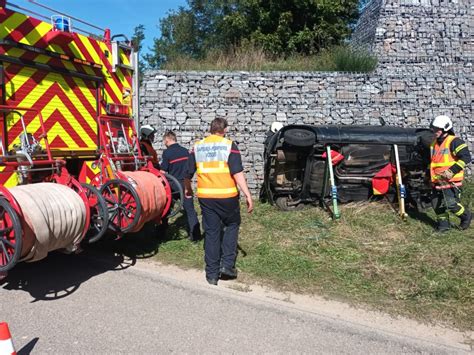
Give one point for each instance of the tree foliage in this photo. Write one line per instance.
(137, 42)
(280, 27)
(138, 37)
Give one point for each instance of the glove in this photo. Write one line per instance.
(446, 175)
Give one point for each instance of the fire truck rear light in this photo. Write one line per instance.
(118, 110)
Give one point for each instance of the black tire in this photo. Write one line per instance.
(300, 137)
(117, 208)
(426, 138)
(10, 230)
(177, 196)
(99, 214)
(284, 203)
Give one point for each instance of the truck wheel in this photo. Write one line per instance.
(177, 196)
(300, 137)
(10, 236)
(123, 205)
(99, 214)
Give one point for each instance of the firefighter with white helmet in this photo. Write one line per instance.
(147, 136)
(147, 132)
(449, 157)
(276, 126)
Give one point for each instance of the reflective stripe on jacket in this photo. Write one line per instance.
(214, 179)
(442, 159)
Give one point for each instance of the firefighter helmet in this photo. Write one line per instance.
(276, 126)
(442, 122)
(146, 131)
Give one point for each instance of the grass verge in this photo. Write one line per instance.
(339, 58)
(367, 258)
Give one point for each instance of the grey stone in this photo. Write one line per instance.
(281, 116)
(166, 113)
(193, 122)
(181, 117)
(208, 116)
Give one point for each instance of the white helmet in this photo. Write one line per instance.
(276, 126)
(442, 122)
(146, 131)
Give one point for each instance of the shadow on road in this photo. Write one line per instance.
(147, 242)
(59, 275)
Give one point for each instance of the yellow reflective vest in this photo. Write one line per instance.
(214, 179)
(442, 159)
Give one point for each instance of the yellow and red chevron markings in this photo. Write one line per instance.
(89, 171)
(8, 176)
(69, 117)
(68, 103)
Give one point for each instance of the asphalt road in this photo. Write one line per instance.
(83, 304)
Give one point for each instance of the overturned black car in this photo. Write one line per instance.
(297, 169)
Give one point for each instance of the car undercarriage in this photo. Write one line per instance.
(296, 164)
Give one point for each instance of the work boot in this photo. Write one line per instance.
(162, 228)
(466, 219)
(195, 235)
(443, 226)
(212, 281)
(228, 273)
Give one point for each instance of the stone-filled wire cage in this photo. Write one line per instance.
(425, 51)
(425, 48)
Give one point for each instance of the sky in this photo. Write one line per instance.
(119, 15)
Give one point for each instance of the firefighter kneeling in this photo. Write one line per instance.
(449, 157)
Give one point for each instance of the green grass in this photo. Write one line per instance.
(340, 58)
(368, 258)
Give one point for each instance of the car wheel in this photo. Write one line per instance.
(285, 203)
(299, 137)
(426, 138)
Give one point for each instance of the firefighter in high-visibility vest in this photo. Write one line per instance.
(147, 136)
(449, 157)
(218, 164)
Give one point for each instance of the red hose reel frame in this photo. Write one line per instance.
(59, 173)
(134, 160)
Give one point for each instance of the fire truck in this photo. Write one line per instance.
(68, 121)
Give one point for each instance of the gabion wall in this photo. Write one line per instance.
(425, 56)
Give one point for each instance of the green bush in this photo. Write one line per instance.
(349, 59)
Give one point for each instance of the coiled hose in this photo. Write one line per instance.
(152, 195)
(54, 217)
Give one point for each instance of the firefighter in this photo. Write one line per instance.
(175, 162)
(218, 164)
(449, 157)
(147, 136)
(274, 128)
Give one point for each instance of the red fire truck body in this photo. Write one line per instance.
(71, 78)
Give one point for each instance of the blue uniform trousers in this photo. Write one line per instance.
(193, 226)
(221, 222)
(194, 229)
